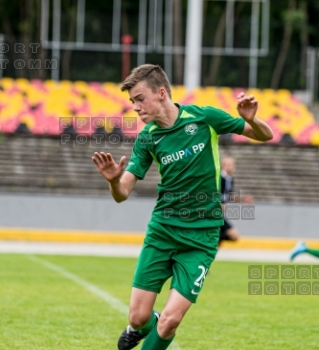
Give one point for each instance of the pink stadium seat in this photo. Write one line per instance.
(43, 106)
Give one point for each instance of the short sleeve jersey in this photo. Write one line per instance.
(187, 158)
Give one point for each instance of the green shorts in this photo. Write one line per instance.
(181, 253)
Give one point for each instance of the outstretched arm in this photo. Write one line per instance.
(121, 182)
(254, 128)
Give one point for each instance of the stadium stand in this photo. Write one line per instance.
(270, 172)
(51, 108)
(48, 129)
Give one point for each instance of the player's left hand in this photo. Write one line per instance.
(247, 107)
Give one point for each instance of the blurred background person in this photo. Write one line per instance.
(229, 195)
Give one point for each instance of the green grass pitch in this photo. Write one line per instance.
(63, 302)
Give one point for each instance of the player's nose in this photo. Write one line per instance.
(136, 107)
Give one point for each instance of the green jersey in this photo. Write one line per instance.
(187, 158)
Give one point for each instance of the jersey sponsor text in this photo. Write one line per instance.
(174, 157)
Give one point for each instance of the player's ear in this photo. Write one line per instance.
(162, 93)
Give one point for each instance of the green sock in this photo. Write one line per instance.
(313, 252)
(154, 342)
(149, 325)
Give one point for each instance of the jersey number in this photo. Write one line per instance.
(199, 281)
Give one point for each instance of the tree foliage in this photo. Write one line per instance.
(293, 28)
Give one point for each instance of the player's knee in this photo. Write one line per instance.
(168, 323)
(139, 319)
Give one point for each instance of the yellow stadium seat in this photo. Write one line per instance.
(7, 83)
(41, 104)
(314, 138)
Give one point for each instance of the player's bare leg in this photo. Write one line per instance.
(163, 334)
(142, 319)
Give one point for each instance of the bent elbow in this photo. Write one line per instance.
(120, 200)
(270, 136)
(267, 137)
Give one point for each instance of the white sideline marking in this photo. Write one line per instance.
(107, 297)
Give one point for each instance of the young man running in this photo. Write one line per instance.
(182, 235)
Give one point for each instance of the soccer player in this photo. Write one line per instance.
(227, 231)
(301, 248)
(182, 235)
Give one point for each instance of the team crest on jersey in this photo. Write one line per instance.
(191, 129)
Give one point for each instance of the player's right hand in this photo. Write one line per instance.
(107, 167)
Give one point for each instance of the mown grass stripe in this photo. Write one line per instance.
(107, 297)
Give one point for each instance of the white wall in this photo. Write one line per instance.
(103, 214)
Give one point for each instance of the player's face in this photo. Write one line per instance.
(146, 103)
(229, 165)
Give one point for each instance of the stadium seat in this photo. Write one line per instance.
(45, 106)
